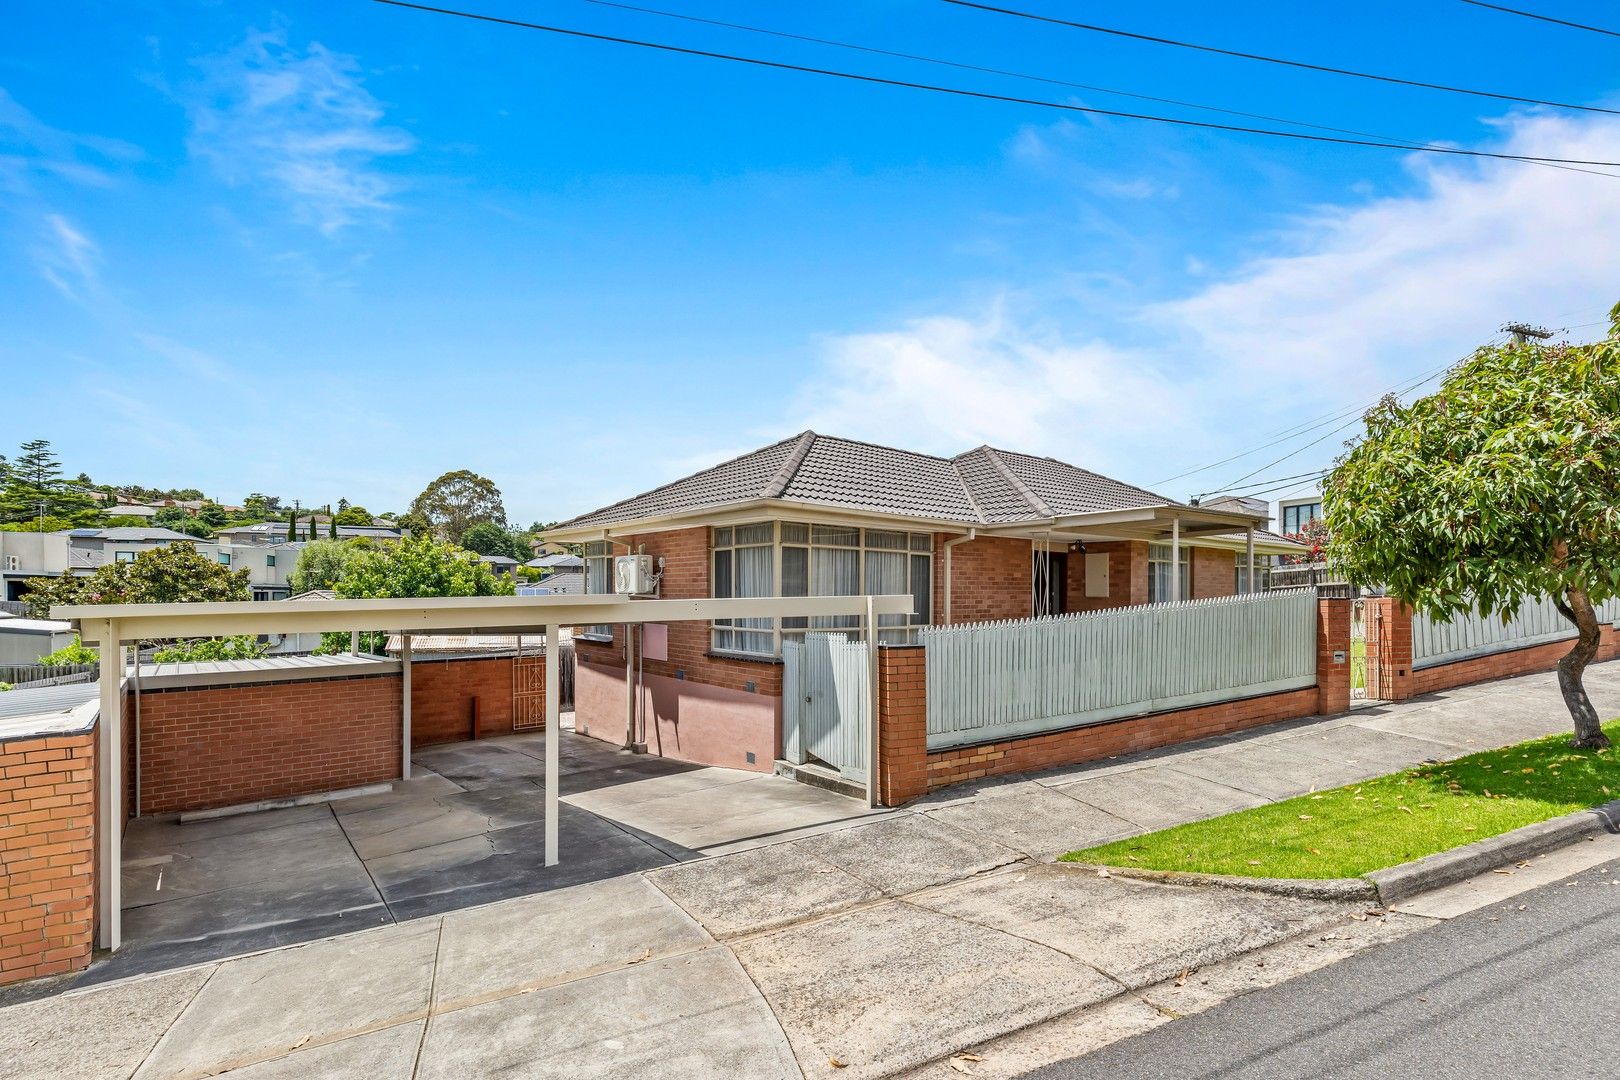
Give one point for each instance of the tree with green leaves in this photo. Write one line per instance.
(34, 488)
(352, 515)
(192, 650)
(457, 501)
(321, 564)
(174, 574)
(1501, 487)
(419, 566)
(487, 538)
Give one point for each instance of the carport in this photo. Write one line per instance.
(110, 626)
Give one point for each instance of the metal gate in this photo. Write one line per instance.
(529, 686)
(826, 703)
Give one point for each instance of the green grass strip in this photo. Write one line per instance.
(1382, 822)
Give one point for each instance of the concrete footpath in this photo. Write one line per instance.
(936, 940)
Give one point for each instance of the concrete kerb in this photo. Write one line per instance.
(1448, 867)
(1396, 884)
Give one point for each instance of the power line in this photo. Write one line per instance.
(1351, 423)
(788, 35)
(1116, 32)
(1544, 18)
(985, 70)
(1306, 426)
(1273, 480)
(981, 95)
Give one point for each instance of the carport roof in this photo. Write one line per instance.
(441, 613)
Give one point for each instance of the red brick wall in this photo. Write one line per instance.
(907, 770)
(1389, 656)
(600, 710)
(1214, 573)
(990, 580)
(1503, 665)
(1332, 640)
(442, 694)
(1127, 576)
(686, 577)
(206, 747)
(47, 854)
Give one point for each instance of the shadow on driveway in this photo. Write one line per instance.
(466, 829)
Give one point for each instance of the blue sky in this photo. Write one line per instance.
(331, 250)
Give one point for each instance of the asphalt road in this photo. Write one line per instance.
(1499, 993)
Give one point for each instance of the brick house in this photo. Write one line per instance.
(986, 535)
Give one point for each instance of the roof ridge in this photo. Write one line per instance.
(683, 479)
(1092, 472)
(967, 490)
(1024, 491)
(790, 467)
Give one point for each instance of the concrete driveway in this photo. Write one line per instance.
(464, 830)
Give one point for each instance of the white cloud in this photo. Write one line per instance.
(191, 361)
(30, 149)
(69, 260)
(1351, 299)
(948, 383)
(1389, 283)
(298, 124)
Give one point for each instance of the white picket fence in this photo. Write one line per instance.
(996, 680)
(1463, 637)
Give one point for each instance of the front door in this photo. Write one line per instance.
(1051, 583)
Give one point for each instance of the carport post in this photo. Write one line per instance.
(553, 738)
(873, 712)
(405, 706)
(1248, 543)
(110, 812)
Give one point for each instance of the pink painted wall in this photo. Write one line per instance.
(686, 720)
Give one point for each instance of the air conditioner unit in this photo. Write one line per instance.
(633, 574)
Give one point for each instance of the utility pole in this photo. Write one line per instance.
(1523, 332)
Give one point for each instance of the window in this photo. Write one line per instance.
(123, 556)
(599, 579)
(1295, 518)
(1159, 573)
(269, 561)
(1262, 572)
(818, 560)
(744, 566)
(224, 558)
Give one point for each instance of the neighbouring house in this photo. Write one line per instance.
(23, 641)
(82, 551)
(1297, 509)
(275, 532)
(500, 565)
(562, 574)
(986, 535)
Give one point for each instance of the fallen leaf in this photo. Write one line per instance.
(1508, 873)
(835, 1063)
(643, 958)
(1304, 817)
(1100, 872)
(1254, 862)
(1314, 851)
(1408, 809)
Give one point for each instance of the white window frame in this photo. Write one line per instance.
(810, 536)
(1159, 555)
(1262, 572)
(123, 555)
(598, 556)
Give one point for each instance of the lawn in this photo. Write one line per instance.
(1392, 819)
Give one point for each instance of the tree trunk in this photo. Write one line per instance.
(1577, 608)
